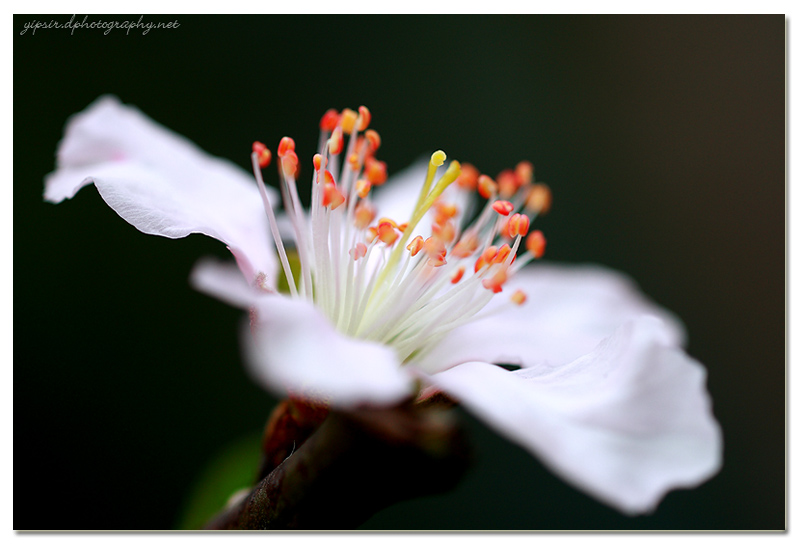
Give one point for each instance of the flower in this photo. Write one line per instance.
(399, 295)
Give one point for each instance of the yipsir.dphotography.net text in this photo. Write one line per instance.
(99, 24)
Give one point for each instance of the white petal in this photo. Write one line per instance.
(293, 348)
(224, 280)
(569, 310)
(625, 423)
(161, 183)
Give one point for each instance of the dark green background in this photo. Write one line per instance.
(661, 137)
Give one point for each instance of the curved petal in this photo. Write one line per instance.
(224, 281)
(569, 310)
(161, 183)
(625, 423)
(291, 347)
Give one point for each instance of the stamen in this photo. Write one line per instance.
(415, 245)
(469, 177)
(286, 145)
(519, 297)
(329, 120)
(264, 154)
(348, 120)
(457, 275)
(539, 199)
(535, 243)
(336, 143)
(503, 207)
(487, 188)
(364, 118)
(373, 139)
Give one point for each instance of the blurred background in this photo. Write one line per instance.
(662, 138)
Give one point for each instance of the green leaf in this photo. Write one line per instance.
(231, 470)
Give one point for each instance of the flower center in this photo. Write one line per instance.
(403, 284)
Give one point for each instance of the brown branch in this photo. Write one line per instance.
(355, 464)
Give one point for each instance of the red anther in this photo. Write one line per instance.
(457, 275)
(503, 207)
(507, 184)
(331, 196)
(362, 188)
(487, 188)
(375, 171)
(466, 246)
(535, 243)
(387, 233)
(539, 199)
(519, 297)
(446, 231)
(364, 214)
(336, 141)
(415, 245)
(348, 120)
(524, 172)
(364, 117)
(319, 162)
(353, 161)
(286, 145)
(495, 283)
(264, 154)
(468, 178)
(359, 251)
(329, 178)
(329, 120)
(373, 139)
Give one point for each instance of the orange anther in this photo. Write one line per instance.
(487, 188)
(507, 183)
(502, 254)
(387, 233)
(402, 227)
(468, 179)
(489, 253)
(519, 297)
(331, 196)
(503, 207)
(387, 220)
(518, 224)
(466, 246)
(286, 145)
(415, 245)
(364, 117)
(289, 162)
(359, 251)
(495, 283)
(373, 139)
(264, 154)
(480, 263)
(445, 211)
(372, 233)
(434, 246)
(364, 214)
(362, 188)
(535, 243)
(336, 141)
(457, 275)
(353, 161)
(437, 260)
(539, 199)
(524, 172)
(375, 171)
(329, 178)
(446, 231)
(348, 120)
(319, 162)
(329, 120)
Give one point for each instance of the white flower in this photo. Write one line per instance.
(604, 395)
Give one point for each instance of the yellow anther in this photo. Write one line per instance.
(349, 118)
